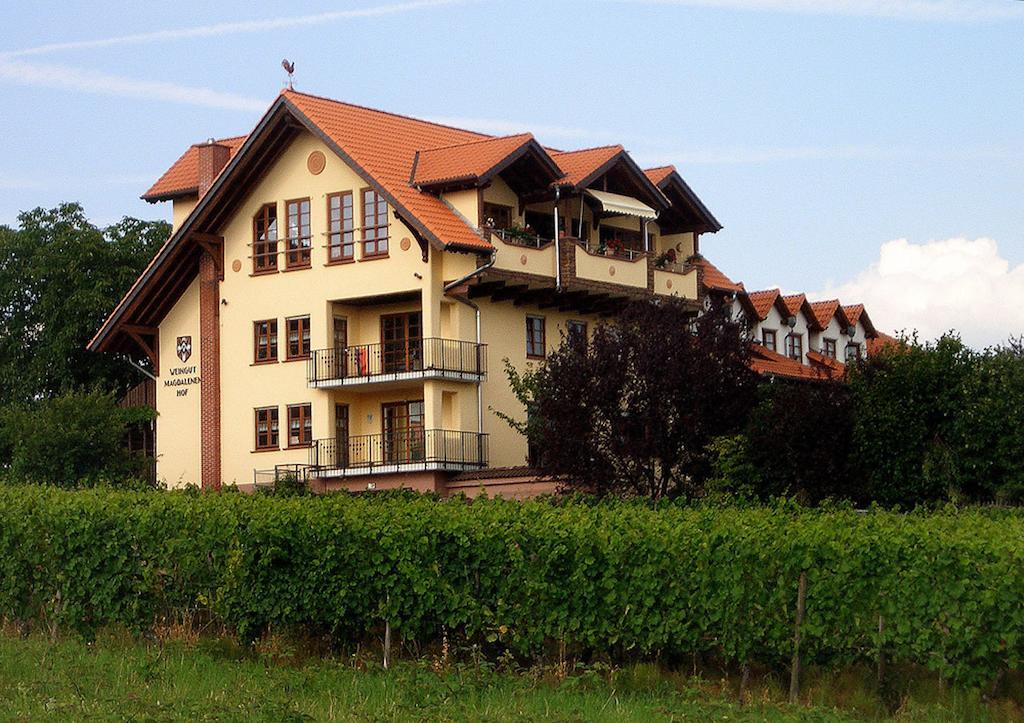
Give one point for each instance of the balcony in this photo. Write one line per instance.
(413, 359)
(413, 450)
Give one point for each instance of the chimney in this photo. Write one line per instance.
(212, 158)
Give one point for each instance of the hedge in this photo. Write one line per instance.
(616, 578)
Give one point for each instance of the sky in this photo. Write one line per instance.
(866, 149)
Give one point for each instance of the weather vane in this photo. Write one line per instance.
(289, 68)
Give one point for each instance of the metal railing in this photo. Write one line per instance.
(410, 448)
(390, 360)
(516, 237)
(600, 249)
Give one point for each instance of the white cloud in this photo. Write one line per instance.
(956, 283)
(234, 28)
(89, 81)
(922, 10)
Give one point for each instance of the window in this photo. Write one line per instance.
(624, 238)
(404, 436)
(830, 348)
(535, 342)
(340, 228)
(266, 428)
(297, 256)
(852, 352)
(795, 347)
(298, 337)
(264, 341)
(375, 224)
(300, 425)
(264, 240)
(497, 216)
(577, 331)
(768, 339)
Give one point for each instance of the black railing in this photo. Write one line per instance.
(389, 360)
(418, 448)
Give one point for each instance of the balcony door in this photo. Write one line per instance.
(401, 342)
(340, 345)
(404, 436)
(341, 457)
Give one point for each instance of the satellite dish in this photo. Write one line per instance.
(851, 330)
(791, 322)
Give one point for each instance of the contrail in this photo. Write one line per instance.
(245, 26)
(89, 81)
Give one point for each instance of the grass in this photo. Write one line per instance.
(117, 678)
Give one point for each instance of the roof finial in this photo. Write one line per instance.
(289, 68)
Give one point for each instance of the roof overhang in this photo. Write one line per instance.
(621, 205)
(695, 216)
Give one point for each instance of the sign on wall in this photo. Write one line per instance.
(185, 376)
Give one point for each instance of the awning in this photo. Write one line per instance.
(624, 205)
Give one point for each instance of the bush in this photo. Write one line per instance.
(620, 578)
(70, 439)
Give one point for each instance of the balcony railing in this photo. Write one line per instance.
(400, 451)
(622, 252)
(517, 237)
(406, 359)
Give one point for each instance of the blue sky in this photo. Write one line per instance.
(816, 130)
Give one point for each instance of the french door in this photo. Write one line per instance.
(404, 436)
(401, 342)
(340, 331)
(341, 435)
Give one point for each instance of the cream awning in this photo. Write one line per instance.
(625, 205)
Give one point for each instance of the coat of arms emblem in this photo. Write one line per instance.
(184, 348)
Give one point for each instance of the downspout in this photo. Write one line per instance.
(558, 245)
(476, 310)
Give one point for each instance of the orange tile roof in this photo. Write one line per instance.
(713, 278)
(794, 302)
(464, 160)
(762, 301)
(580, 164)
(824, 311)
(659, 174)
(831, 365)
(765, 361)
(853, 312)
(880, 342)
(383, 145)
(182, 178)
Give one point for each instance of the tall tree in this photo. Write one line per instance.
(60, 276)
(632, 411)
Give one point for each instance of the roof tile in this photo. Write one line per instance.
(465, 160)
(182, 178)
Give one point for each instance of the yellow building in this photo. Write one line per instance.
(343, 285)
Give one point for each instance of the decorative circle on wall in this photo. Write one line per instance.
(668, 283)
(611, 271)
(316, 163)
(236, 265)
(405, 244)
(522, 259)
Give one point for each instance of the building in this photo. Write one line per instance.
(342, 286)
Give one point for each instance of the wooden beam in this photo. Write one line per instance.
(509, 292)
(213, 245)
(148, 340)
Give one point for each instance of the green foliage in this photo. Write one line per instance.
(70, 439)
(59, 277)
(624, 578)
(937, 421)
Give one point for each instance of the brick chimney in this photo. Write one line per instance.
(212, 158)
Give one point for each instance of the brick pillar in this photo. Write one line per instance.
(209, 371)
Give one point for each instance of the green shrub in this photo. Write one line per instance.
(75, 437)
(620, 578)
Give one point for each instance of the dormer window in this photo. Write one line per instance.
(852, 352)
(768, 339)
(264, 240)
(795, 347)
(829, 348)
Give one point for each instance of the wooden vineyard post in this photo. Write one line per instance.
(881, 650)
(801, 604)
